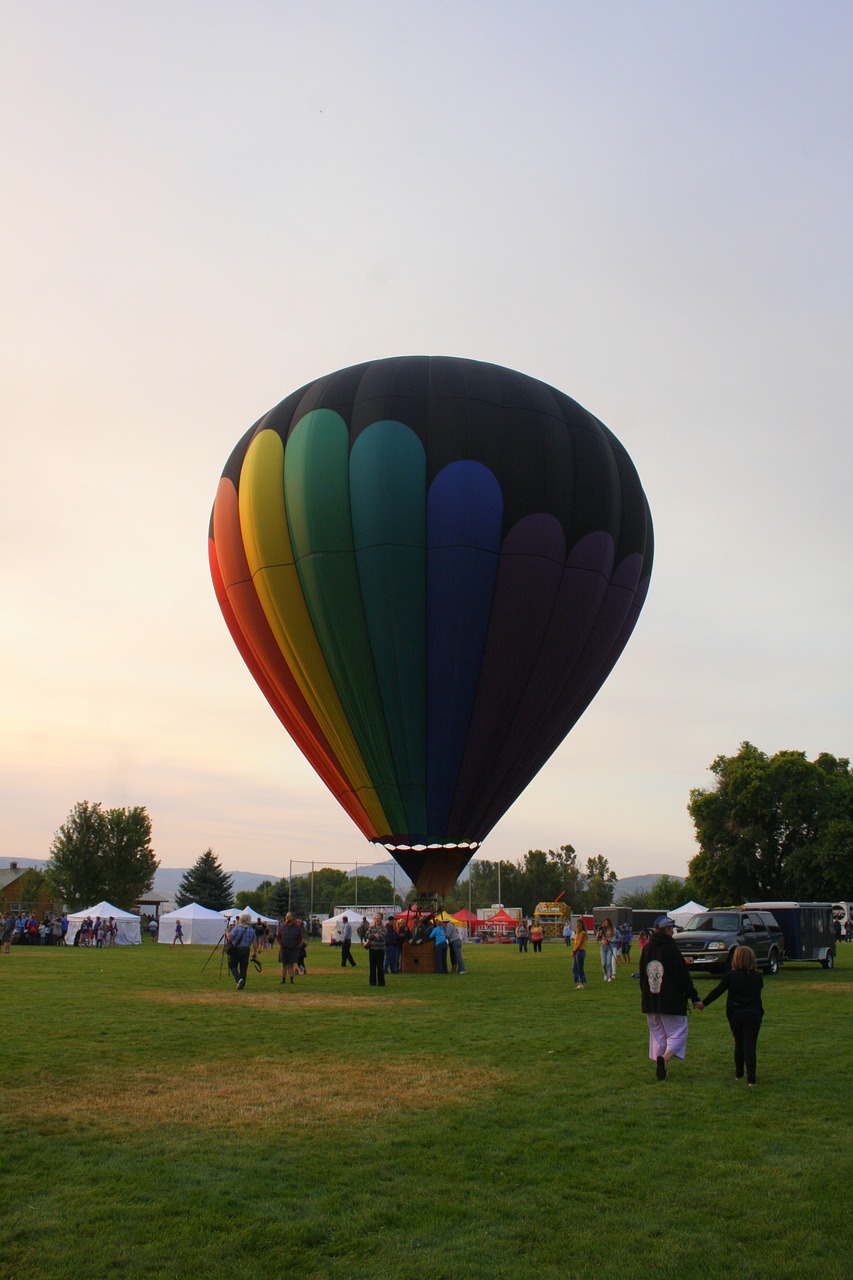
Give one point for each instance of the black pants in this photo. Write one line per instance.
(745, 1025)
(377, 966)
(537, 946)
(238, 963)
(346, 948)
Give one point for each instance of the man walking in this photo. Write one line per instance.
(665, 986)
(346, 944)
(242, 944)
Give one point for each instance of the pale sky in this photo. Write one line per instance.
(208, 204)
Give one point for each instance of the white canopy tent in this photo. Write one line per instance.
(231, 912)
(200, 926)
(128, 935)
(333, 927)
(686, 912)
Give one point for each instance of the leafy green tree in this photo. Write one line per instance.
(207, 884)
(773, 827)
(98, 854)
(600, 883)
(33, 890)
(666, 892)
(330, 886)
(638, 900)
(571, 876)
(257, 897)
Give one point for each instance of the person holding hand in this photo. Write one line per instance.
(742, 986)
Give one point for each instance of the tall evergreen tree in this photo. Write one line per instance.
(207, 884)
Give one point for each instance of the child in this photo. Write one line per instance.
(744, 1010)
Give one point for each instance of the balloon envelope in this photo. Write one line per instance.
(430, 566)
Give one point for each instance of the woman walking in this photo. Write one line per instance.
(579, 956)
(608, 950)
(744, 1010)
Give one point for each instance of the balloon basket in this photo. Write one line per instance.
(419, 957)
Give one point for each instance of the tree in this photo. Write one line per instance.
(33, 890)
(330, 887)
(773, 827)
(257, 897)
(102, 855)
(540, 877)
(207, 884)
(666, 892)
(600, 883)
(638, 900)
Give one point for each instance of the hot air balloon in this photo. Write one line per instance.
(430, 566)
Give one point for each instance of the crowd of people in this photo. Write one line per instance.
(23, 928)
(666, 984)
(384, 941)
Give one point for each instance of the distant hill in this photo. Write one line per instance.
(168, 879)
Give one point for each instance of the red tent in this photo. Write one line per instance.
(468, 919)
(501, 921)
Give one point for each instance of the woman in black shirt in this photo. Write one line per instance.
(744, 1010)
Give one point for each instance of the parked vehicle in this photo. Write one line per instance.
(806, 927)
(709, 940)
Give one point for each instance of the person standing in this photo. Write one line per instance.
(522, 933)
(346, 944)
(579, 956)
(536, 936)
(179, 934)
(438, 933)
(289, 942)
(454, 942)
(568, 935)
(742, 986)
(393, 947)
(374, 940)
(608, 950)
(7, 931)
(242, 943)
(665, 987)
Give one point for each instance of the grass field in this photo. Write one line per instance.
(157, 1123)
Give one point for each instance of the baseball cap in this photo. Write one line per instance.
(665, 922)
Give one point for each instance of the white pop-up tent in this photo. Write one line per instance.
(685, 912)
(333, 927)
(128, 934)
(231, 913)
(199, 925)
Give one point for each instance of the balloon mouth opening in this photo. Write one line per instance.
(395, 846)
